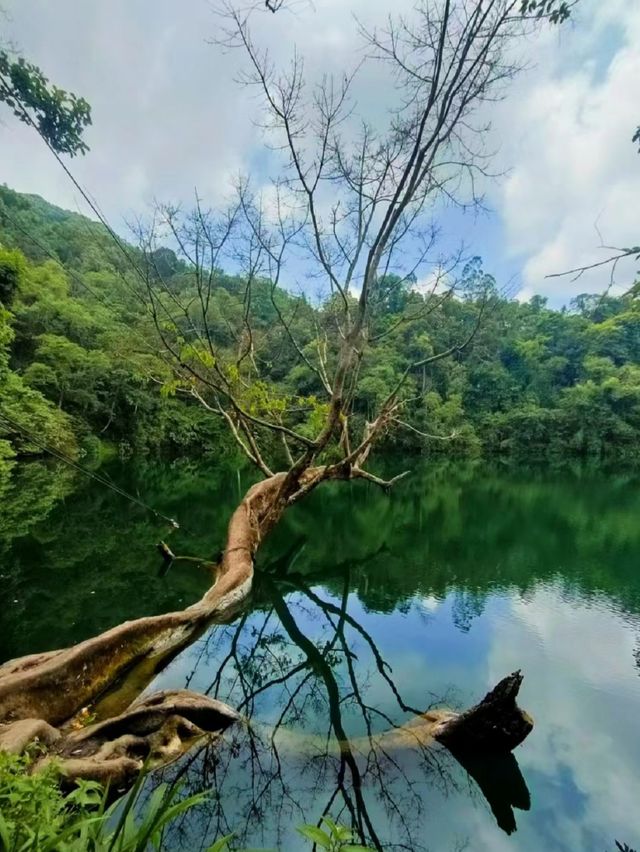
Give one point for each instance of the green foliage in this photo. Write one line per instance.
(61, 117)
(77, 368)
(12, 269)
(32, 808)
(24, 410)
(7, 456)
(81, 367)
(35, 816)
(333, 838)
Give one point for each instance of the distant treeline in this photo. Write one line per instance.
(81, 370)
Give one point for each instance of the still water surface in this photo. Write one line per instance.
(367, 608)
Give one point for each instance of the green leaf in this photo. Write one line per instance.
(221, 844)
(333, 828)
(4, 833)
(316, 835)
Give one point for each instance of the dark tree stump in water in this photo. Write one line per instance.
(495, 725)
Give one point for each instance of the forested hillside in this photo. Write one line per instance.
(76, 370)
(81, 371)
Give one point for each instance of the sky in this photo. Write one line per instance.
(170, 116)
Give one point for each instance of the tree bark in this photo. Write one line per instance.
(155, 730)
(494, 725)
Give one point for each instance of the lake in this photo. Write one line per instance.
(366, 609)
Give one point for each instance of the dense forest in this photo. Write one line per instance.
(82, 374)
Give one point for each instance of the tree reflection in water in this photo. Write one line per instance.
(328, 747)
(537, 549)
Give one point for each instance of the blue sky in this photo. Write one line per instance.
(169, 117)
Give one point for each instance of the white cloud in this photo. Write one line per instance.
(168, 113)
(567, 133)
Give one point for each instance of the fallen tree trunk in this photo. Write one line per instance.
(54, 686)
(494, 725)
(41, 694)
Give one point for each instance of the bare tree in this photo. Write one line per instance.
(352, 203)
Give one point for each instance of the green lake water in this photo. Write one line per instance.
(365, 608)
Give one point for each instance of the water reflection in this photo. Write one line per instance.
(318, 693)
(368, 609)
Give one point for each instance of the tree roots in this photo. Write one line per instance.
(153, 731)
